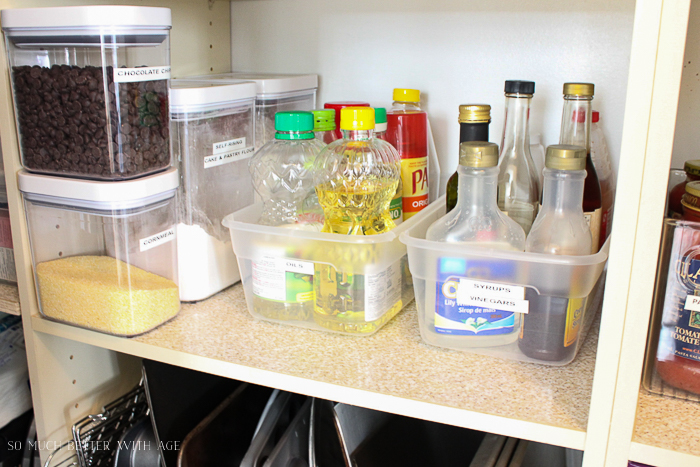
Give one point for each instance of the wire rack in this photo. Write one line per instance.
(96, 437)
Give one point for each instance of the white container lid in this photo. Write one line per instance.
(269, 84)
(188, 93)
(85, 17)
(117, 195)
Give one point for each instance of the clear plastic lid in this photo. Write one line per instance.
(270, 85)
(190, 95)
(126, 194)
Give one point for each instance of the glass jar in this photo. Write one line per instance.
(90, 88)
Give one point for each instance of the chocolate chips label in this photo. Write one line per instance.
(160, 238)
(146, 73)
(228, 157)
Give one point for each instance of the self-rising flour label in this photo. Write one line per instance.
(283, 280)
(471, 307)
(160, 238)
(226, 152)
(145, 73)
(228, 146)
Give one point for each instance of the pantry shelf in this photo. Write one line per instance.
(9, 299)
(666, 431)
(392, 371)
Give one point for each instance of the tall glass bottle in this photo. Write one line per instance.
(552, 327)
(576, 130)
(356, 177)
(518, 181)
(474, 122)
(407, 131)
(475, 220)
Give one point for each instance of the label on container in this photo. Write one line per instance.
(593, 219)
(228, 157)
(470, 307)
(158, 239)
(574, 320)
(145, 73)
(396, 210)
(382, 291)
(283, 280)
(228, 146)
(414, 176)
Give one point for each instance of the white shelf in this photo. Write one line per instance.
(392, 371)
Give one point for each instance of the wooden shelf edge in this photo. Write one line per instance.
(660, 457)
(528, 430)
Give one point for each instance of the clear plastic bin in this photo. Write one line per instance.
(276, 92)
(672, 366)
(213, 139)
(283, 269)
(90, 87)
(104, 254)
(530, 282)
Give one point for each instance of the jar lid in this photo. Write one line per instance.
(692, 167)
(474, 113)
(565, 157)
(269, 85)
(289, 124)
(186, 94)
(579, 89)
(357, 118)
(478, 154)
(691, 197)
(520, 87)
(406, 95)
(85, 16)
(324, 119)
(124, 192)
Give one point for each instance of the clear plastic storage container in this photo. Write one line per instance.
(278, 266)
(472, 276)
(90, 86)
(104, 254)
(275, 93)
(213, 138)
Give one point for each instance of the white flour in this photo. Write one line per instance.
(206, 264)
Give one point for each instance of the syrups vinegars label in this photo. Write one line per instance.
(472, 307)
(593, 219)
(283, 280)
(225, 152)
(144, 73)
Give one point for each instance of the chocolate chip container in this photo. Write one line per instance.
(90, 87)
(104, 254)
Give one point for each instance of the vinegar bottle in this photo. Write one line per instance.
(474, 122)
(407, 131)
(518, 182)
(552, 327)
(475, 220)
(576, 130)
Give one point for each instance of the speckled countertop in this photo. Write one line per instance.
(668, 423)
(393, 361)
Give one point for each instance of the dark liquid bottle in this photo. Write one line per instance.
(474, 122)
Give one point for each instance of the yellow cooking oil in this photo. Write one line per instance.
(355, 208)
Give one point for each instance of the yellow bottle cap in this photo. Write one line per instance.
(478, 154)
(565, 157)
(579, 89)
(406, 95)
(357, 118)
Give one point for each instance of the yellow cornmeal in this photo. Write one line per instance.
(105, 294)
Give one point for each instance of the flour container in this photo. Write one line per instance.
(451, 279)
(213, 137)
(104, 254)
(280, 266)
(275, 93)
(90, 88)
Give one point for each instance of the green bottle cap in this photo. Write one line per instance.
(324, 119)
(294, 125)
(379, 115)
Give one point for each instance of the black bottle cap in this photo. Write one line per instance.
(520, 87)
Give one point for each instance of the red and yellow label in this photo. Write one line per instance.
(414, 175)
